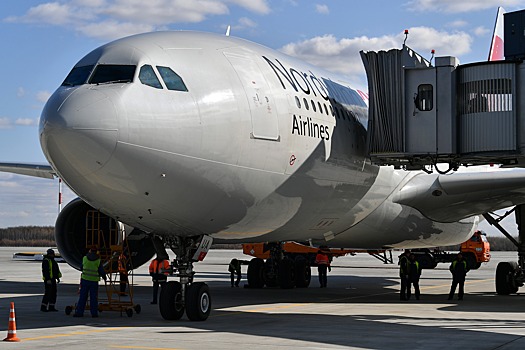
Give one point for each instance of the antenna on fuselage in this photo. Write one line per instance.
(228, 30)
(406, 37)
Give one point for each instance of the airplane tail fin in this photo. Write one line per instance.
(496, 47)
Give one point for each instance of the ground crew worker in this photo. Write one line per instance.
(459, 269)
(123, 268)
(235, 270)
(323, 263)
(51, 276)
(92, 270)
(414, 272)
(403, 273)
(158, 270)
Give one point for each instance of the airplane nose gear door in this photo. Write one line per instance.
(262, 107)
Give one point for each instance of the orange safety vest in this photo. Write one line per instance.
(322, 259)
(155, 267)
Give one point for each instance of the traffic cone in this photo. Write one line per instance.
(11, 331)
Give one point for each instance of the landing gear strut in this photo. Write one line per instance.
(186, 295)
(510, 275)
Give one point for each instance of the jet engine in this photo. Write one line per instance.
(79, 227)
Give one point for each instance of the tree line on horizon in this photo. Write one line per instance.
(44, 236)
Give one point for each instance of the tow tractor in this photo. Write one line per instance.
(288, 264)
(475, 251)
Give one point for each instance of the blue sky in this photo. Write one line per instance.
(42, 40)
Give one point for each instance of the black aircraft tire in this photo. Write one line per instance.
(256, 273)
(504, 278)
(271, 273)
(303, 273)
(198, 301)
(170, 301)
(286, 273)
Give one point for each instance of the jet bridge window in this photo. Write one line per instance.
(148, 77)
(78, 76)
(112, 73)
(424, 99)
(171, 79)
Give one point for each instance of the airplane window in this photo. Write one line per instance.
(298, 102)
(313, 104)
(78, 76)
(332, 111)
(171, 79)
(319, 106)
(112, 73)
(148, 77)
(325, 109)
(306, 104)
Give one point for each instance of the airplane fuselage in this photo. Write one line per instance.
(246, 145)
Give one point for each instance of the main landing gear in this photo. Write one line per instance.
(510, 275)
(186, 295)
(280, 269)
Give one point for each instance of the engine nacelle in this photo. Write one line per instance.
(79, 226)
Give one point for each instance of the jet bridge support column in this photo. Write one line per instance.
(510, 275)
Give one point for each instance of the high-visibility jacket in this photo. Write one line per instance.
(159, 267)
(322, 259)
(50, 269)
(90, 269)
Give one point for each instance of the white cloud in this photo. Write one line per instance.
(5, 123)
(257, 6)
(110, 19)
(113, 29)
(481, 31)
(244, 23)
(20, 92)
(342, 55)
(457, 6)
(26, 121)
(43, 96)
(458, 24)
(322, 9)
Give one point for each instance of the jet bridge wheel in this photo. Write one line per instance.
(198, 301)
(505, 278)
(170, 302)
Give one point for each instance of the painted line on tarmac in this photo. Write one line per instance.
(62, 335)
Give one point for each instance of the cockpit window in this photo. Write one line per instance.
(112, 73)
(78, 76)
(171, 79)
(148, 77)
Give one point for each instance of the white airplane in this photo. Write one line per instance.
(175, 138)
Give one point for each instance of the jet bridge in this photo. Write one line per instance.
(422, 114)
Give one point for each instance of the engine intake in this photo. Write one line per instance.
(79, 226)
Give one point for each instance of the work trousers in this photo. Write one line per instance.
(414, 283)
(232, 277)
(461, 291)
(405, 287)
(88, 288)
(156, 284)
(50, 293)
(323, 276)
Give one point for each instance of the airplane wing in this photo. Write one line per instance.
(449, 198)
(37, 170)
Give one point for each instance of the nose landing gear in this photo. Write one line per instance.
(186, 295)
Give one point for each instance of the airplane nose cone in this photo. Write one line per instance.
(78, 131)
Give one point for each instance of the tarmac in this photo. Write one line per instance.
(360, 309)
